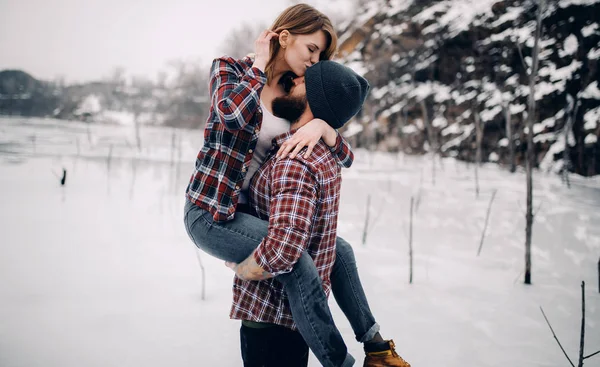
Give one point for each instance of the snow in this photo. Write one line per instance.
(488, 115)
(594, 53)
(570, 46)
(493, 157)
(398, 6)
(588, 30)
(591, 119)
(591, 92)
(503, 142)
(352, 129)
(567, 3)
(456, 15)
(591, 139)
(102, 273)
(409, 129)
(515, 109)
(90, 104)
(119, 117)
(512, 13)
(439, 121)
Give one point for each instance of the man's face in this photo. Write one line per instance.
(292, 105)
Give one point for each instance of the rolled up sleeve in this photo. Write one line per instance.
(292, 207)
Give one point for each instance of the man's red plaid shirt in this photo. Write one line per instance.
(300, 199)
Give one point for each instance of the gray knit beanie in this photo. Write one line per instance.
(335, 93)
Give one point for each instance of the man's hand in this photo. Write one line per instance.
(249, 269)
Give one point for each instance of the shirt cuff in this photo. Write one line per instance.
(263, 262)
(337, 148)
(257, 74)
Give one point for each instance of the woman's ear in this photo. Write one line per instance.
(284, 38)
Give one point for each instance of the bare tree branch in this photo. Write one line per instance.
(522, 58)
(560, 345)
(591, 355)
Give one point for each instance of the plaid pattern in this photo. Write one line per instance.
(300, 198)
(230, 137)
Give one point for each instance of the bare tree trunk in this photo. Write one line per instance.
(509, 136)
(367, 215)
(530, 154)
(138, 139)
(582, 336)
(430, 137)
(203, 274)
(410, 238)
(478, 140)
(571, 114)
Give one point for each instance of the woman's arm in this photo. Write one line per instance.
(235, 100)
(309, 135)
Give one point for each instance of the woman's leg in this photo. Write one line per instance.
(235, 240)
(349, 293)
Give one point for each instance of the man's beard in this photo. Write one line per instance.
(289, 107)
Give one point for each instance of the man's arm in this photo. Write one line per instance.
(293, 202)
(249, 269)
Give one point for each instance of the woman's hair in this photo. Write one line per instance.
(302, 19)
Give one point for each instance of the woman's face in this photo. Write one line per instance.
(304, 50)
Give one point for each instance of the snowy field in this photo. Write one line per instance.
(101, 273)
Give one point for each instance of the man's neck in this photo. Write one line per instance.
(303, 120)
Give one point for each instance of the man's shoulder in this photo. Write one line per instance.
(320, 159)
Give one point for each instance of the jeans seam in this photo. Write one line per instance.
(212, 225)
(321, 344)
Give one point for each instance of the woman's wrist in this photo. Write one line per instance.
(329, 135)
(260, 64)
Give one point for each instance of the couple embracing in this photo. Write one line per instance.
(264, 196)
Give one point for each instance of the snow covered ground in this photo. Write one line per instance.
(100, 272)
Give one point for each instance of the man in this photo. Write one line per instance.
(300, 198)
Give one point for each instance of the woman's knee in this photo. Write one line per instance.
(344, 251)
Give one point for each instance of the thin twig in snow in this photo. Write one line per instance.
(487, 217)
(554, 334)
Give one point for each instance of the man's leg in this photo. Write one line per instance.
(235, 240)
(254, 346)
(312, 315)
(350, 296)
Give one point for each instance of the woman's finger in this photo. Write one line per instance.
(297, 149)
(285, 149)
(309, 150)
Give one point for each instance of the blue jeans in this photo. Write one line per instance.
(235, 240)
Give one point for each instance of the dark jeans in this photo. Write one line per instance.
(235, 240)
(274, 346)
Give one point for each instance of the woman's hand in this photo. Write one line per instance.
(307, 136)
(262, 47)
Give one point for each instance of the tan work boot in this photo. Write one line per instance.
(384, 355)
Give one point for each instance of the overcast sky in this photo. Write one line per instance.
(84, 40)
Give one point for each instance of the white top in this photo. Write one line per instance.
(272, 126)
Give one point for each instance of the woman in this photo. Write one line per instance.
(237, 137)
